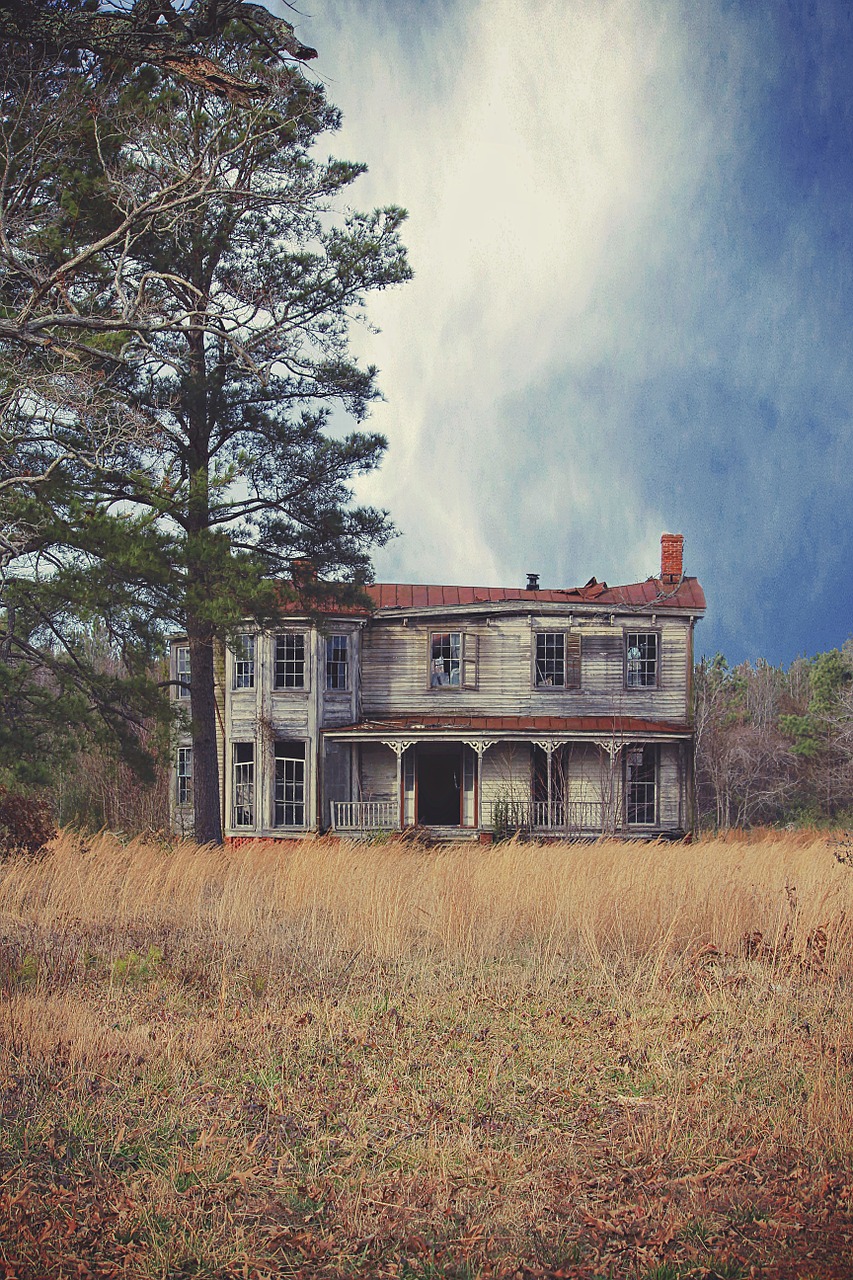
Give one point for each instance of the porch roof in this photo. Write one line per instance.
(446, 726)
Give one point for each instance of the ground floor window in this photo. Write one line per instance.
(641, 789)
(185, 775)
(289, 792)
(244, 784)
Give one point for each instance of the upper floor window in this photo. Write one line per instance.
(289, 667)
(453, 660)
(642, 659)
(185, 775)
(243, 759)
(557, 663)
(244, 661)
(337, 662)
(182, 670)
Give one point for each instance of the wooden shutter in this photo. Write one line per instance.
(573, 660)
(470, 660)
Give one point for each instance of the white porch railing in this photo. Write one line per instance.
(538, 815)
(365, 815)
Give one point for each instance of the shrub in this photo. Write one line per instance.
(26, 823)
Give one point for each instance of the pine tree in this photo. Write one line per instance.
(221, 321)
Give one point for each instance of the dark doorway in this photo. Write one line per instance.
(440, 786)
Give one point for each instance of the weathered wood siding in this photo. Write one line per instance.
(377, 772)
(396, 670)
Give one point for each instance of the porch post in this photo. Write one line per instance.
(398, 748)
(546, 745)
(613, 749)
(479, 746)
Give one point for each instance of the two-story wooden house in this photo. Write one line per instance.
(463, 710)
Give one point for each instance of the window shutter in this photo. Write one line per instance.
(470, 660)
(573, 660)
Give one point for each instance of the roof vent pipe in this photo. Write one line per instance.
(533, 582)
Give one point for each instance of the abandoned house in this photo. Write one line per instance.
(465, 710)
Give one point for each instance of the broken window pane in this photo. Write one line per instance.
(550, 659)
(641, 659)
(445, 655)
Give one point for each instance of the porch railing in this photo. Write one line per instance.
(365, 815)
(538, 815)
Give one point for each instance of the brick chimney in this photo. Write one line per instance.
(671, 557)
(303, 571)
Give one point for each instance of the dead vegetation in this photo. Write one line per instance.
(331, 1059)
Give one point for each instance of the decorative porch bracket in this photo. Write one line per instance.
(612, 748)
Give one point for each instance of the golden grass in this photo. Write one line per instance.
(330, 1058)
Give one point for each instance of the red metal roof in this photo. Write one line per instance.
(609, 725)
(687, 594)
(324, 597)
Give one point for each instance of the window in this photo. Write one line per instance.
(289, 670)
(641, 768)
(182, 670)
(558, 660)
(641, 659)
(244, 784)
(244, 661)
(453, 660)
(337, 662)
(185, 775)
(289, 795)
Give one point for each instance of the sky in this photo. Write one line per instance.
(631, 227)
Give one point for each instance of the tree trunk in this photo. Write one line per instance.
(206, 794)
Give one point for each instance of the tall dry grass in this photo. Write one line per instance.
(623, 902)
(459, 1060)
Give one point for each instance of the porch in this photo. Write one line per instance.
(499, 779)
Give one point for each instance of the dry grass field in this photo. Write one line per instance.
(334, 1059)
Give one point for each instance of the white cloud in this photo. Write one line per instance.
(534, 145)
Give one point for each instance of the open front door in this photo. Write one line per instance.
(439, 770)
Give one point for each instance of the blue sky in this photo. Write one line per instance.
(631, 225)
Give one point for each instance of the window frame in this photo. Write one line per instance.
(654, 783)
(243, 784)
(337, 662)
(183, 674)
(655, 633)
(184, 776)
(572, 660)
(468, 661)
(243, 664)
(283, 802)
(281, 638)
